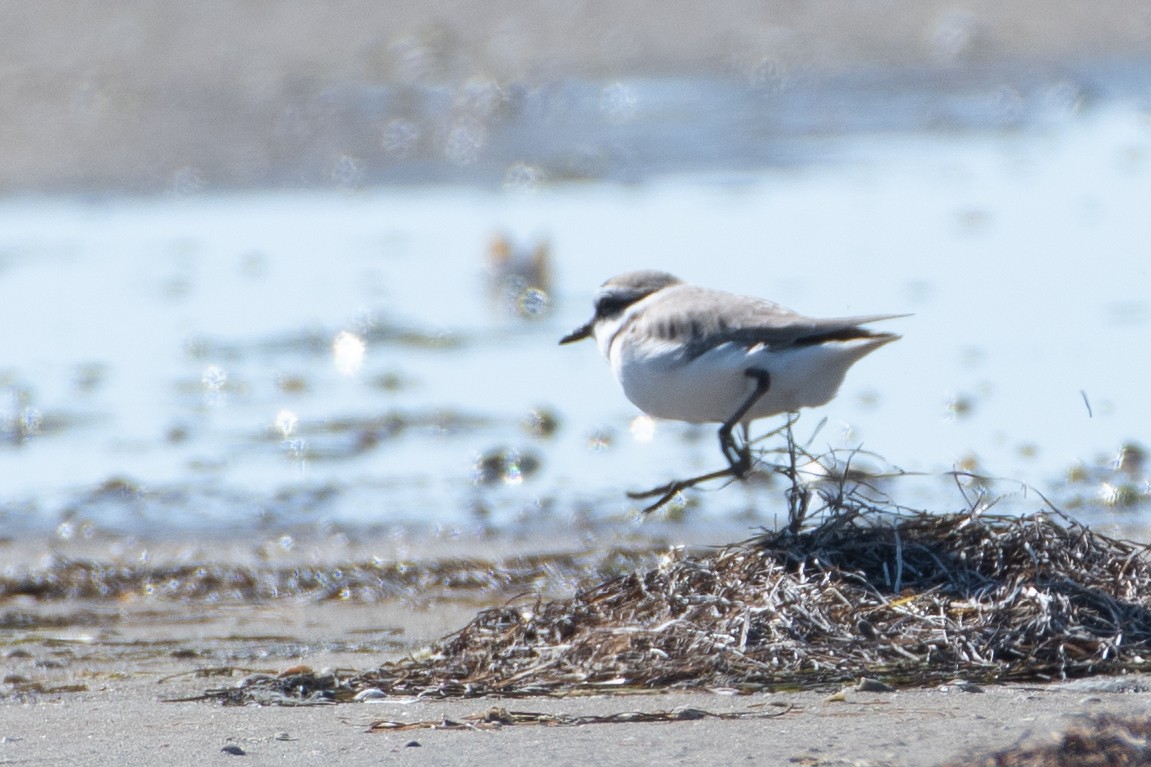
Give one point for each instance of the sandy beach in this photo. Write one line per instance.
(121, 719)
(107, 682)
(105, 702)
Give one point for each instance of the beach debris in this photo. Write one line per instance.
(999, 598)
(962, 685)
(872, 685)
(498, 717)
(1100, 740)
(839, 696)
(369, 694)
(356, 582)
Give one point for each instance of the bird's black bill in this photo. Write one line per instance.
(579, 334)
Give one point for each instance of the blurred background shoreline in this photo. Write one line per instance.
(282, 267)
(183, 98)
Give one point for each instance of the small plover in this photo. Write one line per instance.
(694, 354)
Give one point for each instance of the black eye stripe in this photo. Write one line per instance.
(610, 306)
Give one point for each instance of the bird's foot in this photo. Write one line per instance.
(666, 492)
(738, 456)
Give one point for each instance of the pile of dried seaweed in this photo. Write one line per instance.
(911, 598)
(1104, 740)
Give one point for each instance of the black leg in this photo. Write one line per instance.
(668, 491)
(739, 456)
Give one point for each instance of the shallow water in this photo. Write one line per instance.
(176, 363)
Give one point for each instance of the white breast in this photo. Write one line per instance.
(660, 378)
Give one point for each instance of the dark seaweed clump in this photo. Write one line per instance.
(907, 597)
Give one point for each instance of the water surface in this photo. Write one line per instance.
(193, 362)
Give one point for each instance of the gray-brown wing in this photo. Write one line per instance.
(701, 318)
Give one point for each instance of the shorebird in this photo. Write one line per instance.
(694, 354)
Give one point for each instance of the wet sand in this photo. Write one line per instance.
(100, 682)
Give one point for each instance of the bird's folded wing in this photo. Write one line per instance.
(687, 314)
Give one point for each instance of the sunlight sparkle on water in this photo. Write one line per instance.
(214, 378)
(286, 422)
(642, 428)
(297, 449)
(600, 440)
(348, 350)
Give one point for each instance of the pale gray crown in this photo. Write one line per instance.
(623, 290)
